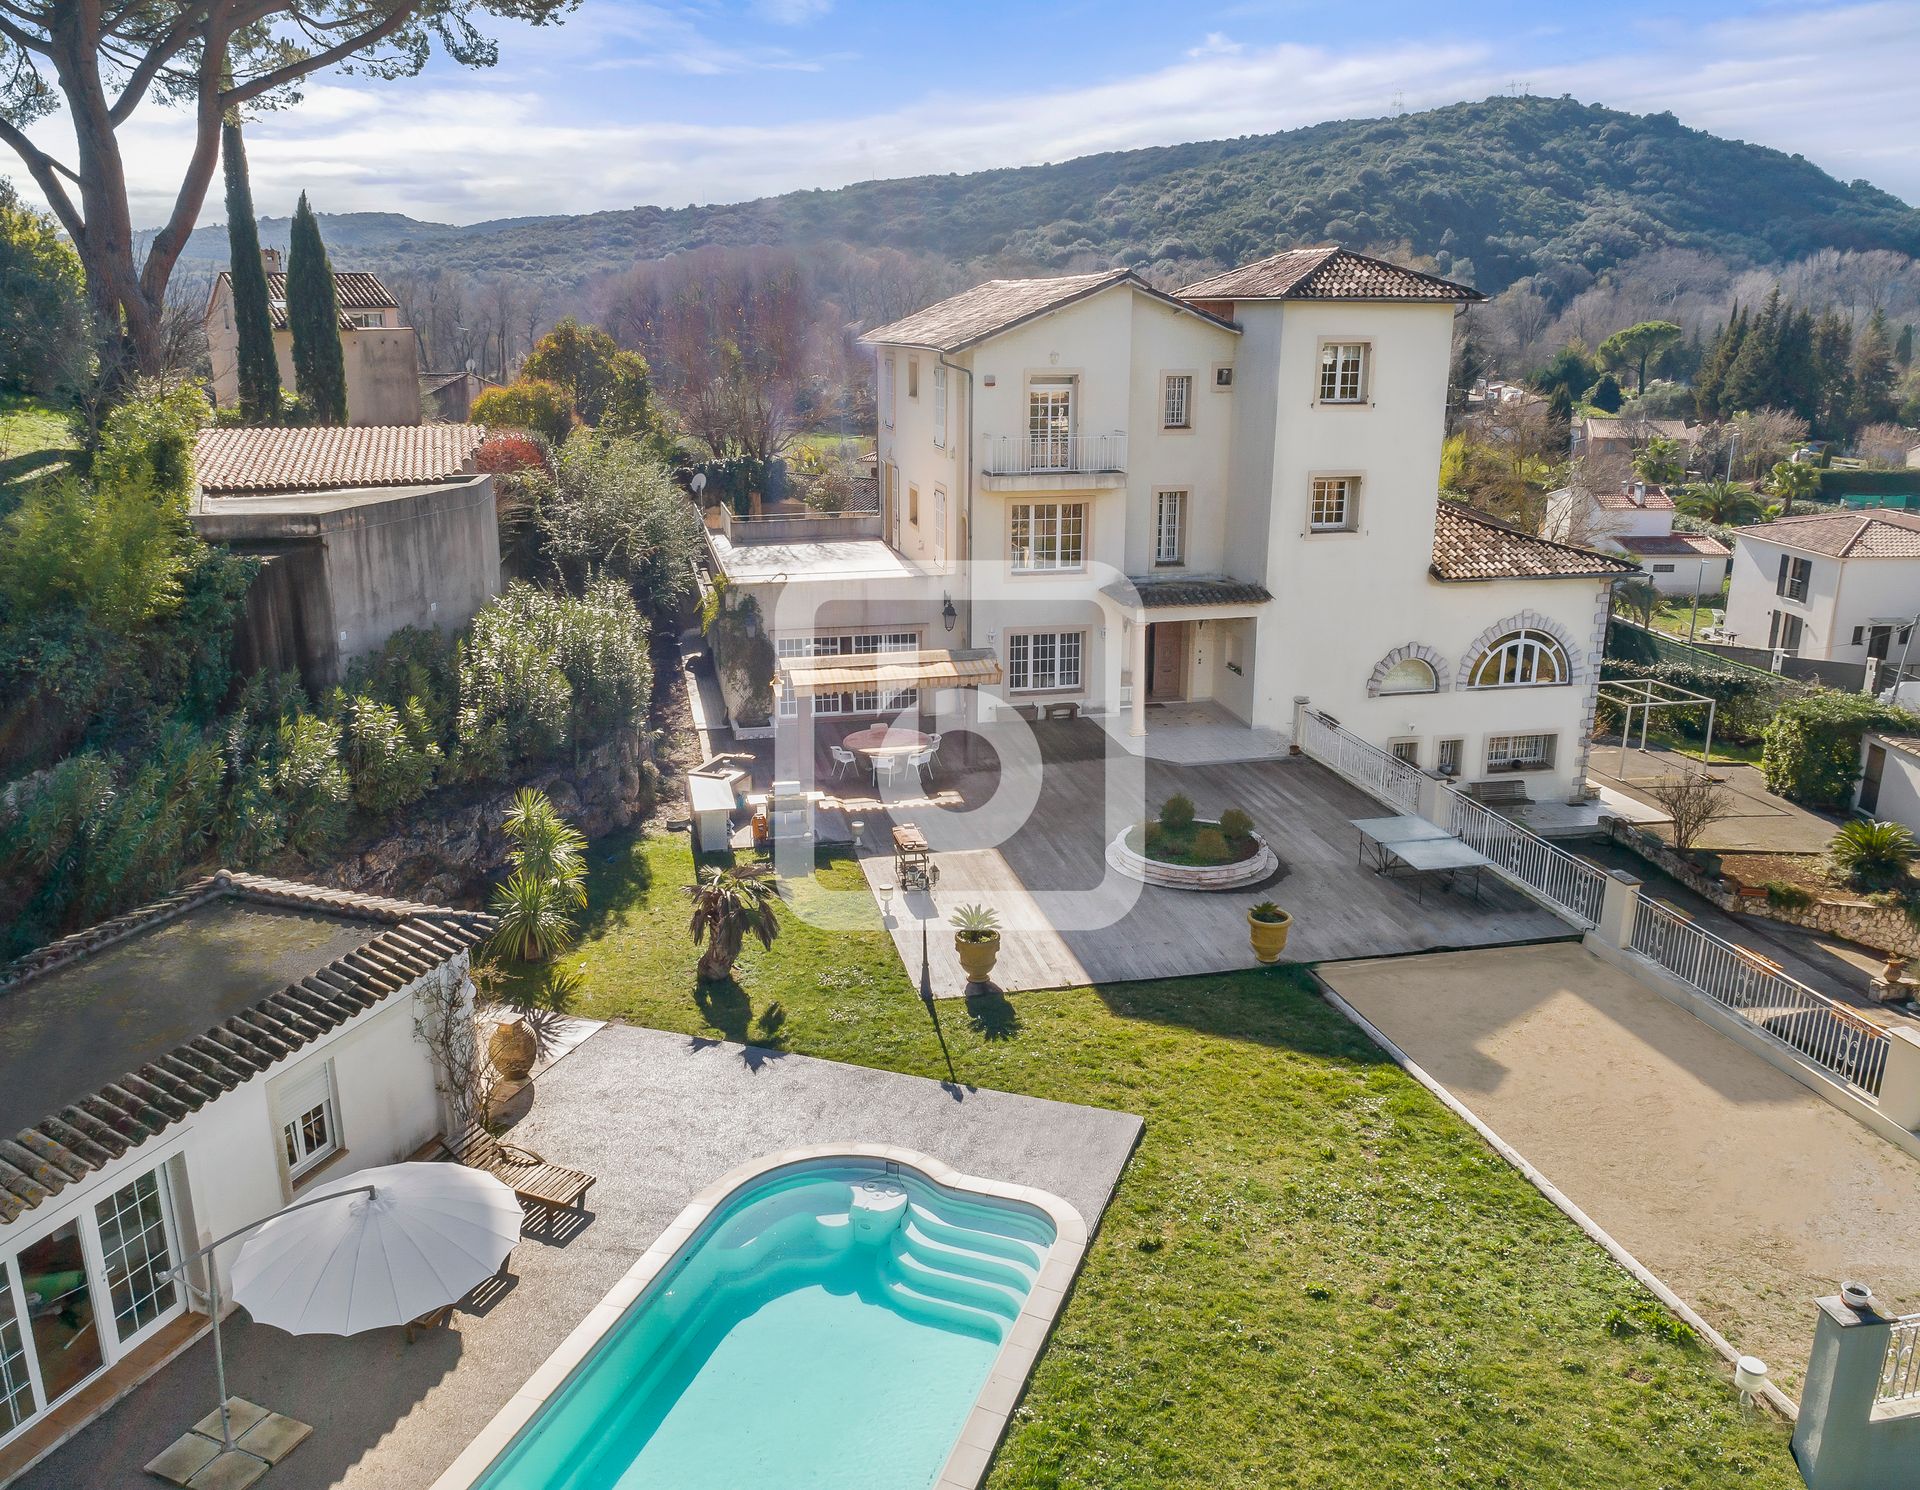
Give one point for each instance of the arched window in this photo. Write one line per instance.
(1520, 659)
(1410, 675)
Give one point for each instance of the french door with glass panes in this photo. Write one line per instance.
(1050, 426)
(83, 1292)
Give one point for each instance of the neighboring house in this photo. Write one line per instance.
(447, 397)
(1889, 788)
(1600, 439)
(177, 1073)
(363, 531)
(1636, 519)
(382, 356)
(1913, 456)
(1833, 586)
(1101, 497)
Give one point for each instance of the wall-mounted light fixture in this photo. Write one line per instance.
(947, 613)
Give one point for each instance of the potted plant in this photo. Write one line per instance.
(1267, 926)
(976, 938)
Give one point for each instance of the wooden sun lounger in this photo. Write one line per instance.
(551, 1187)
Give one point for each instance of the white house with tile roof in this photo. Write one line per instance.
(177, 1073)
(1214, 503)
(1836, 586)
(381, 352)
(1635, 518)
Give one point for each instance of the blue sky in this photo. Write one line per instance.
(654, 101)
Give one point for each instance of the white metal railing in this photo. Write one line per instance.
(1042, 453)
(1572, 884)
(1900, 1375)
(1366, 765)
(1827, 1033)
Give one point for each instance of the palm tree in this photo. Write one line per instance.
(1662, 462)
(1727, 503)
(1792, 480)
(1872, 855)
(727, 905)
(548, 884)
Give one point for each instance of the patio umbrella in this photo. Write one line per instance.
(416, 1238)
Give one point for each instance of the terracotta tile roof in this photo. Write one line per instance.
(1697, 544)
(1469, 545)
(230, 462)
(1159, 594)
(187, 1036)
(1612, 430)
(1612, 499)
(962, 320)
(1881, 533)
(355, 290)
(1331, 273)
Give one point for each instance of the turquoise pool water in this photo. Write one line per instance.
(829, 1326)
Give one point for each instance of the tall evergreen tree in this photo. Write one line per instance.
(1798, 382)
(1753, 381)
(1833, 373)
(1874, 375)
(259, 367)
(313, 311)
(1903, 346)
(1710, 384)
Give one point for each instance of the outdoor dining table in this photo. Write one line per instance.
(886, 739)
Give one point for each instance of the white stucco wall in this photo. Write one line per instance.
(1899, 799)
(383, 363)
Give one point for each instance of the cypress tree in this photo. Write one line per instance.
(313, 311)
(259, 368)
(1710, 385)
(1873, 375)
(1903, 346)
(1832, 371)
(1753, 380)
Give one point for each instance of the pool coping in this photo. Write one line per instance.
(986, 1422)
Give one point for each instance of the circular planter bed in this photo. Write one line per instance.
(1128, 855)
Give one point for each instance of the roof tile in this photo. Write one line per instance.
(1469, 545)
(1875, 533)
(1328, 273)
(240, 461)
(999, 305)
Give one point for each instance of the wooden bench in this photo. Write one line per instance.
(552, 1188)
(1508, 791)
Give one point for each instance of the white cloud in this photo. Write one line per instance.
(791, 12)
(505, 144)
(1217, 44)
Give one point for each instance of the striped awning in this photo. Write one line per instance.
(803, 677)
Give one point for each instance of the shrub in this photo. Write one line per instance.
(1787, 895)
(415, 664)
(510, 451)
(1812, 744)
(532, 404)
(1210, 846)
(1176, 813)
(1236, 824)
(1872, 856)
(615, 508)
(390, 753)
(310, 784)
(547, 884)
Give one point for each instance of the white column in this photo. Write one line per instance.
(1900, 1082)
(1137, 727)
(1619, 903)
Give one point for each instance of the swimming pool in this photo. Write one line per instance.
(826, 1320)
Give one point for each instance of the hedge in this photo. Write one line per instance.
(1812, 745)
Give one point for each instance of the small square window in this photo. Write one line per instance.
(1334, 504)
(1343, 372)
(1223, 375)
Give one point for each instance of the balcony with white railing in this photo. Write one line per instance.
(1053, 461)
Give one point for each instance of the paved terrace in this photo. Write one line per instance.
(1036, 855)
(657, 1117)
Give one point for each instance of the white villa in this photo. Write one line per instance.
(1841, 586)
(1636, 519)
(1100, 498)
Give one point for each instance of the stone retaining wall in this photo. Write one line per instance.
(1882, 927)
(446, 855)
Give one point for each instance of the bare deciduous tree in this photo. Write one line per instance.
(1694, 802)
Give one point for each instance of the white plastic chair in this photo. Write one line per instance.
(843, 760)
(920, 763)
(888, 767)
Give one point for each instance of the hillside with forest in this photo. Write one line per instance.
(1490, 192)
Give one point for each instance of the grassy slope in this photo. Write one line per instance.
(31, 435)
(1312, 1274)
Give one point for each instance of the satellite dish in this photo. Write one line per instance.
(470, 364)
(699, 482)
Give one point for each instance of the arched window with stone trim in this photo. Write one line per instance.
(1410, 675)
(1527, 658)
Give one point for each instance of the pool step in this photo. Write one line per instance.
(928, 1278)
(945, 1257)
(935, 1309)
(986, 1243)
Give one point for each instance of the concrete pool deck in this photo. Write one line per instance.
(657, 1117)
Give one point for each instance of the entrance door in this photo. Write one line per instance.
(58, 1289)
(1879, 641)
(1167, 662)
(1870, 778)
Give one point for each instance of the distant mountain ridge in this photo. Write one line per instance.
(1493, 191)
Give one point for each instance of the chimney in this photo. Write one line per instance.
(270, 260)
(1639, 493)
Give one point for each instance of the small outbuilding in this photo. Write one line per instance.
(176, 1073)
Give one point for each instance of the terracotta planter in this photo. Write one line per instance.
(1269, 938)
(977, 955)
(512, 1049)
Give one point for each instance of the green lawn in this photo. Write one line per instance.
(32, 434)
(1312, 1273)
